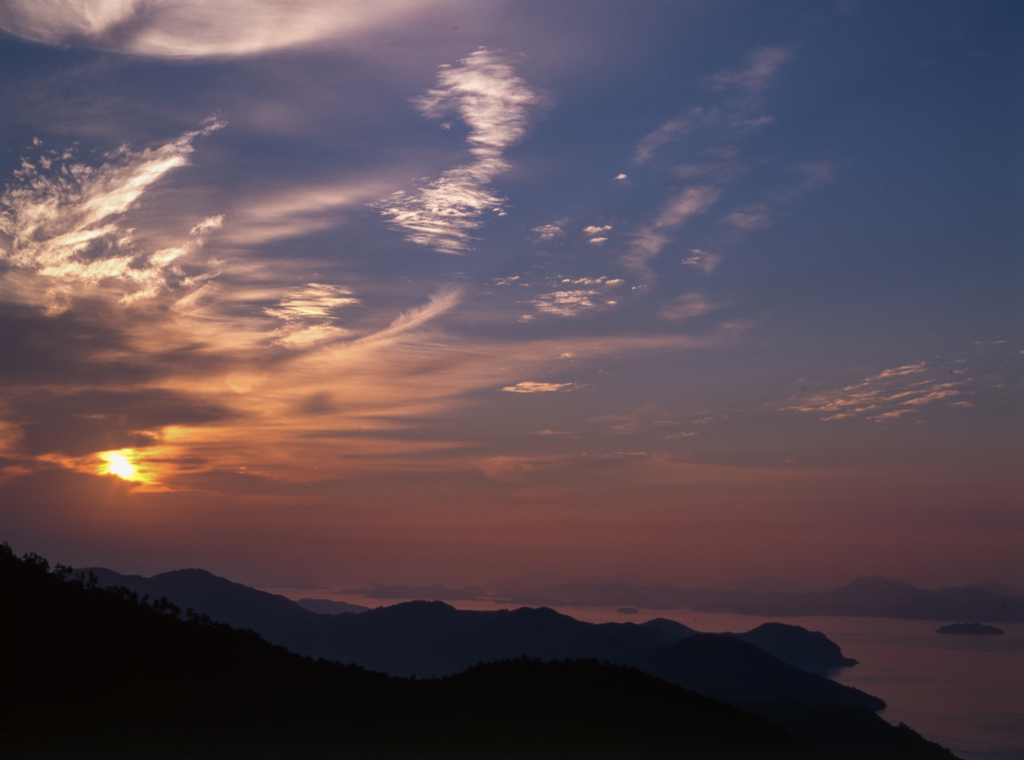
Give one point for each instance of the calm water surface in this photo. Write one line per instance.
(964, 692)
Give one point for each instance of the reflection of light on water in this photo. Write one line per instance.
(118, 464)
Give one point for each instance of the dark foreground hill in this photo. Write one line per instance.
(812, 651)
(723, 667)
(88, 672)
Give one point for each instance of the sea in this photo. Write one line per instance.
(965, 692)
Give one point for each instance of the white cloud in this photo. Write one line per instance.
(595, 234)
(603, 280)
(488, 96)
(570, 302)
(550, 231)
(66, 223)
(494, 102)
(314, 301)
(532, 387)
(650, 239)
(687, 306)
(193, 28)
(704, 261)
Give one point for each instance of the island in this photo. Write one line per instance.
(973, 629)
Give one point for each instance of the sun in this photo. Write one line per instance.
(118, 464)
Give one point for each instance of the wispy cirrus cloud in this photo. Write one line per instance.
(889, 395)
(687, 306)
(494, 102)
(817, 173)
(731, 120)
(308, 313)
(534, 387)
(673, 130)
(66, 223)
(702, 260)
(720, 131)
(189, 29)
(653, 237)
(754, 217)
(297, 211)
(756, 77)
(569, 301)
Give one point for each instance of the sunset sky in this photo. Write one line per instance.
(311, 292)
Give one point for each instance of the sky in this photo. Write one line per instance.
(438, 291)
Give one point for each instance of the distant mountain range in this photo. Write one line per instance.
(330, 607)
(863, 597)
(94, 673)
(134, 680)
(431, 638)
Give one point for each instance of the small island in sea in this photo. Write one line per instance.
(973, 629)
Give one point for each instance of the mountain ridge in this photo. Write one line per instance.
(120, 664)
(866, 596)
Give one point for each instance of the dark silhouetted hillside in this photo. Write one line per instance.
(669, 630)
(431, 638)
(227, 602)
(812, 651)
(94, 673)
(723, 667)
(850, 733)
